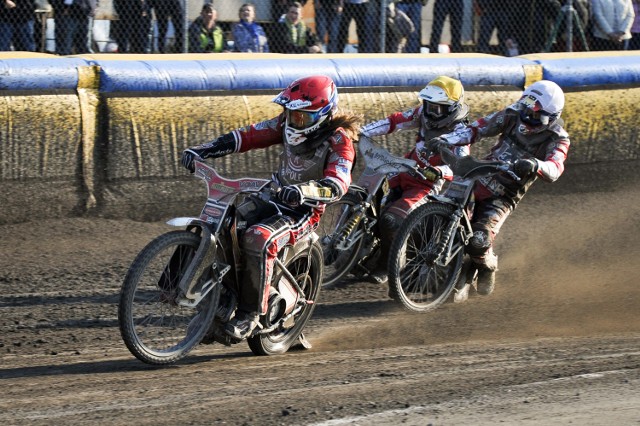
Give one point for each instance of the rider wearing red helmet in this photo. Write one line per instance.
(314, 168)
(531, 136)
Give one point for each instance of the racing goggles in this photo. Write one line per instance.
(300, 119)
(534, 118)
(434, 110)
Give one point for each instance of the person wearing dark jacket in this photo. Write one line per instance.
(17, 18)
(73, 19)
(291, 35)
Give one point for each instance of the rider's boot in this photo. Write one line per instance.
(242, 325)
(379, 276)
(487, 268)
(486, 282)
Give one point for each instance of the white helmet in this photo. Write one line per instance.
(540, 106)
(442, 102)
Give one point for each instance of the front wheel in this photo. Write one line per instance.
(154, 325)
(306, 268)
(417, 279)
(340, 255)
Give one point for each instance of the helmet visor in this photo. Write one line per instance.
(534, 118)
(300, 120)
(433, 110)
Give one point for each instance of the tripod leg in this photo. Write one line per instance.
(554, 31)
(583, 38)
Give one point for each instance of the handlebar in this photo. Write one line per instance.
(471, 167)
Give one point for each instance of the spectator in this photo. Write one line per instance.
(279, 8)
(291, 35)
(328, 13)
(494, 14)
(133, 27)
(612, 21)
(205, 36)
(357, 10)
(413, 9)
(634, 41)
(73, 21)
(399, 29)
(17, 19)
(165, 10)
(442, 8)
(249, 36)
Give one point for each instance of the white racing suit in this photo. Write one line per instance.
(408, 192)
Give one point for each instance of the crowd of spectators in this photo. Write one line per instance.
(520, 26)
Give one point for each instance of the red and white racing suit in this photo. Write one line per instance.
(498, 195)
(408, 192)
(328, 158)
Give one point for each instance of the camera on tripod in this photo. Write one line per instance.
(569, 15)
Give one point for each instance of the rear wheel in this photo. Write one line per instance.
(306, 268)
(339, 256)
(155, 327)
(416, 278)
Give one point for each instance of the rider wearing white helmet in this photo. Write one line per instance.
(314, 168)
(531, 136)
(442, 109)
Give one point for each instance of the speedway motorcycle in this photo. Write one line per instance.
(183, 287)
(348, 230)
(427, 261)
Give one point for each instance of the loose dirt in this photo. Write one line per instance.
(557, 343)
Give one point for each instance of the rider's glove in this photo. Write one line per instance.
(431, 173)
(189, 156)
(435, 144)
(291, 195)
(525, 168)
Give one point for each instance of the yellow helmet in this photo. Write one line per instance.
(443, 102)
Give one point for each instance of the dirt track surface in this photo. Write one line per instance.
(557, 343)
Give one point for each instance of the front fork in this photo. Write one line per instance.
(195, 283)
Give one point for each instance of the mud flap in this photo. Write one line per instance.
(301, 344)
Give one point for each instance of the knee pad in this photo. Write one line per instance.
(480, 243)
(390, 222)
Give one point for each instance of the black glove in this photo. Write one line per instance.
(525, 168)
(291, 195)
(431, 173)
(188, 157)
(434, 144)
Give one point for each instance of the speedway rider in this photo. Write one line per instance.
(315, 168)
(442, 110)
(531, 136)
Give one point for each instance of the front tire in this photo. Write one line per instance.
(415, 279)
(154, 326)
(281, 339)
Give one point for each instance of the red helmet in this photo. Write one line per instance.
(308, 104)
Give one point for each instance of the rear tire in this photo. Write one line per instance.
(154, 327)
(415, 280)
(280, 340)
(337, 262)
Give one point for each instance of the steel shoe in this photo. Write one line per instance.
(242, 325)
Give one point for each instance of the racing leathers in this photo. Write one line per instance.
(320, 169)
(498, 195)
(407, 192)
